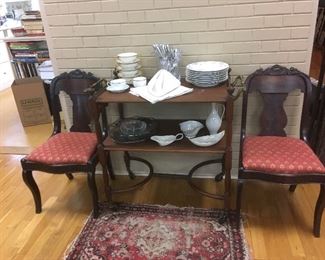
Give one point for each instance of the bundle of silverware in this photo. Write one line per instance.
(169, 58)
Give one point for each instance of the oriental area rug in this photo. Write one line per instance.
(124, 231)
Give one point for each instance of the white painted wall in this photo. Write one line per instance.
(6, 75)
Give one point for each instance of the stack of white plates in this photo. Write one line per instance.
(128, 66)
(207, 73)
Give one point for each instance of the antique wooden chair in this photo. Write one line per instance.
(272, 156)
(67, 152)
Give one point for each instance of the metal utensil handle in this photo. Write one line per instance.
(179, 136)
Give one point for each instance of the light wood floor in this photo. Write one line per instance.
(278, 224)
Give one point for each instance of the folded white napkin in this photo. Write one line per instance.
(163, 85)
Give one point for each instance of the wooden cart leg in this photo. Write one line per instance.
(103, 162)
(220, 175)
(127, 161)
(228, 154)
(227, 192)
(93, 190)
(110, 166)
(238, 201)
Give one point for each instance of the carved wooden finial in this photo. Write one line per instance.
(278, 70)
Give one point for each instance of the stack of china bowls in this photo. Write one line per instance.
(207, 73)
(128, 66)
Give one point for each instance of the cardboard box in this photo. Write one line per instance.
(31, 101)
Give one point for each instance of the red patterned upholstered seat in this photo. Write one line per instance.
(280, 155)
(65, 148)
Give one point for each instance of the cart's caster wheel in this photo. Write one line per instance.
(219, 177)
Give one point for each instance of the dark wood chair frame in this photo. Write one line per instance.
(75, 84)
(274, 84)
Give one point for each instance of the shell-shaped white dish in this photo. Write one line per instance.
(164, 140)
(190, 128)
(208, 140)
(117, 89)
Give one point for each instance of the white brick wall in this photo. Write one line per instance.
(247, 34)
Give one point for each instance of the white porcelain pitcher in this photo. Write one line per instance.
(214, 121)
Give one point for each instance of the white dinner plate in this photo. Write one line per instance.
(205, 66)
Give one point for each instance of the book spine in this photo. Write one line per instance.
(26, 59)
(16, 70)
(30, 72)
(34, 69)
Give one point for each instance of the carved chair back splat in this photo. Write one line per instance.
(74, 84)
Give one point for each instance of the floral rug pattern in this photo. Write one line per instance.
(159, 232)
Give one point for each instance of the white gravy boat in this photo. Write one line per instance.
(164, 140)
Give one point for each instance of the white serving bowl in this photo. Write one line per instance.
(208, 140)
(128, 66)
(129, 74)
(127, 57)
(191, 128)
(119, 62)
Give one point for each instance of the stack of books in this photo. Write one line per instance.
(32, 23)
(25, 70)
(27, 55)
(29, 51)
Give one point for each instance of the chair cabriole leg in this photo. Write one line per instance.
(93, 189)
(320, 205)
(69, 175)
(238, 200)
(292, 187)
(31, 184)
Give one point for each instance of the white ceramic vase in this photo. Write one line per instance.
(214, 120)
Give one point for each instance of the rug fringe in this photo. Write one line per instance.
(247, 250)
(70, 247)
(161, 206)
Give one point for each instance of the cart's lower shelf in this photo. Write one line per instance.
(168, 127)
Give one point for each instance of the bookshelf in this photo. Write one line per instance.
(27, 48)
(26, 54)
